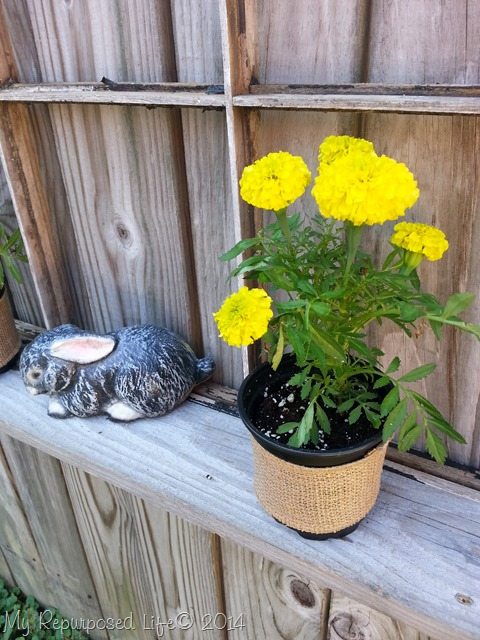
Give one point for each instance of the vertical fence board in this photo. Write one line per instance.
(312, 42)
(5, 573)
(269, 600)
(16, 540)
(127, 40)
(145, 562)
(40, 486)
(126, 194)
(199, 59)
(424, 42)
(349, 620)
(434, 42)
(129, 193)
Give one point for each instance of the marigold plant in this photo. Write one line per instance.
(331, 291)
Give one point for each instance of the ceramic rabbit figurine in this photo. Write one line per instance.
(136, 372)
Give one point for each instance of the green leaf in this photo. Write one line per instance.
(446, 427)
(306, 388)
(435, 447)
(306, 287)
(333, 295)
(298, 379)
(395, 419)
(239, 248)
(278, 279)
(297, 340)
(408, 424)
(457, 303)
(355, 415)
(250, 264)
(346, 405)
(302, 434)
(374, 418)
(320, 308)
(327, 344)
(407, 441)
(427, 405)
(287, 426)
(322, 418)
(328, 402)
(277, 357)
(418, 373)
(436, 328)
(409, 312)
(394, 365)
(390, 400)
(382, 382)
(290, 305)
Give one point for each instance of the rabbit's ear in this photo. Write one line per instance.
(82, 349)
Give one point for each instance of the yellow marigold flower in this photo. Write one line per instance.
(274, 181)
(334, 147)
(244, 316)
(364, 189)
(420, 238)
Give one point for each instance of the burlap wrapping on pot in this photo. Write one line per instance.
(314, 499)
(9, 337)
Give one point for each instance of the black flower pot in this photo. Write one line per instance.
(314, 470)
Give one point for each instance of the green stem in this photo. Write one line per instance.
(353, 235)
(283, 222)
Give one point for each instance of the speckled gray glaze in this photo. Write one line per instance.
(149, 372)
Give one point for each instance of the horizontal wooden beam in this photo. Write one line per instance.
(371, 88)
(381, 102)
(414, 557)
(166, 94)
(433, 99)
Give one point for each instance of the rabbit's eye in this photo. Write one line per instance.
(35, 375)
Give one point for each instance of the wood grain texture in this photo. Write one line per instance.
(311, 43)
(199, 59)
(134, 259)
(41, 489)
(16, 540)
(82, 93)
(442, 152)
(146, 563)
(30, 166)
(125, 40)
(238, 31)
(132, 235)
(197, 463)
(271, 601)
(5, 573)
(349, 620)
(369, 103)
(427, 42)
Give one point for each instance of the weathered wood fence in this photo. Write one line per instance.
(127, 193)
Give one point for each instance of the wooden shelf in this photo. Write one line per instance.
(415, 557)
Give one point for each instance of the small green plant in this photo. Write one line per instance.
(11, 251)
(22, 617)
(332, 290)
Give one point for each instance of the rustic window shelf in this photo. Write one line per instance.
(446, 100)
(415, 557)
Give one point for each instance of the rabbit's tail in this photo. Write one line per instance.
(205, 368)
